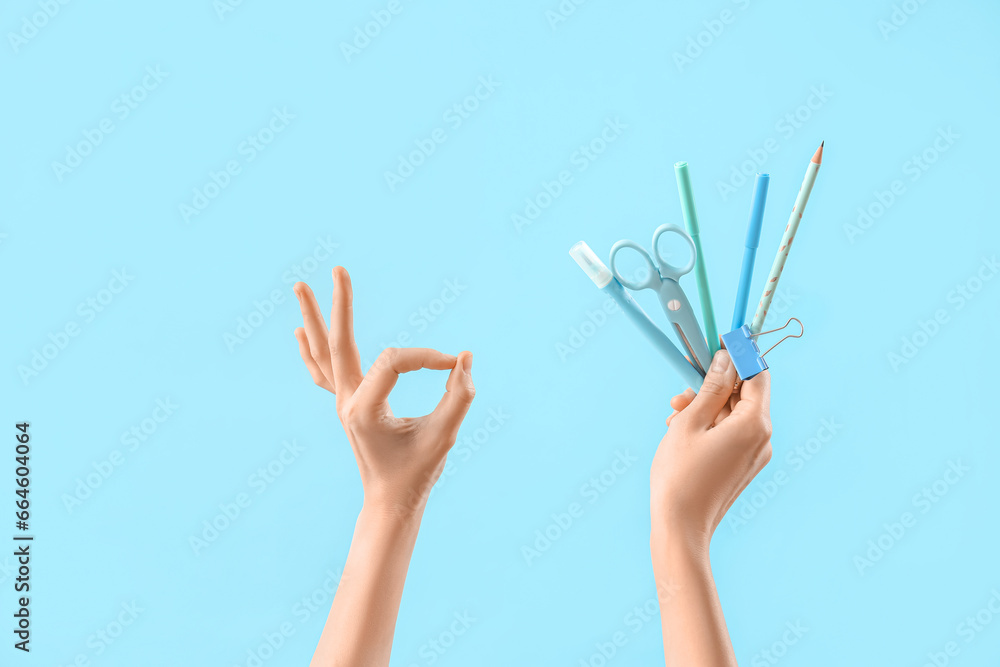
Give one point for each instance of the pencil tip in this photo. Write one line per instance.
(818, 155)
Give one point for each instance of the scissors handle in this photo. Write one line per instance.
(652, 278)
(668, 270)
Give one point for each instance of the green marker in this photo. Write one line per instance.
(691, 222)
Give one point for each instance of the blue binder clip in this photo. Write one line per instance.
(743, 349)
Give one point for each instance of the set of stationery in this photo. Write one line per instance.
(663, 278)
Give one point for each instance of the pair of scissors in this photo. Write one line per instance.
(662, 278)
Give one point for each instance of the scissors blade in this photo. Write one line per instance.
(691, 355)
(678, 309)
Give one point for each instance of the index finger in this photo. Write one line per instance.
(373, 392)
(344, 357)
(316, 332)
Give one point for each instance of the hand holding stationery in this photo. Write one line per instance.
(716, 444)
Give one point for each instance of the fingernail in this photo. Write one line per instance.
(467, 364)
(720, 362)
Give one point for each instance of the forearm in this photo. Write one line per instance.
(694, 629)
(359, 629)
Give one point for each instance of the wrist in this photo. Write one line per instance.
(389, 509)
(677, 538)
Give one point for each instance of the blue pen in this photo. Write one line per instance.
(750, 249)
(602, 277)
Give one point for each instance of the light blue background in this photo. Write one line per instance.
(323, 177)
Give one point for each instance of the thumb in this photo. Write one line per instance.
(715, 391)
(458, 395)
